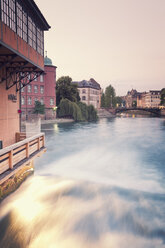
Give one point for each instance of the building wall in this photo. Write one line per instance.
(90, 96)
(152, 99)
(48, 83)
(9, 116)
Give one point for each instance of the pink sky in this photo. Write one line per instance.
(118, 42)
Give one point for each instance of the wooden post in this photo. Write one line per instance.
(27, 150)
(11, 159)
(39, 143)
(43, 140)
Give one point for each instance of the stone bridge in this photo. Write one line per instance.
(155, 111)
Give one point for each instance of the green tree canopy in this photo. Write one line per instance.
(118, 101)
(110, 97)
(39, 108)
(103, 101)
(65, 89)
(77, 111)
(162, 97)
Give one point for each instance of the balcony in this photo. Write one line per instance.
(20, 154)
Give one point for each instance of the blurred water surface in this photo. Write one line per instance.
(98, 185)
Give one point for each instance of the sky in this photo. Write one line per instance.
(117, 42)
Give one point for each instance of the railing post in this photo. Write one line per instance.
(39, 143)
(27, 150)
(43, 140)
(11, 159)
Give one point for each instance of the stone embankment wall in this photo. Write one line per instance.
(163, 112)
(103, 113)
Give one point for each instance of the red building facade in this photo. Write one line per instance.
(42, 89)
(22, 27)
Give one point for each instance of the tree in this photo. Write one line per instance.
(110, 96)
(162, 98)
(39, 108)
(92, 113)
(77, 111)
(118, 101)
(103, 100)
(65, 89)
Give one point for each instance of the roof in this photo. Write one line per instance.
(88, 84)
(47, 61)
(37, 13)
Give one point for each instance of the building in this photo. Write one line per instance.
(22, 27)
(149, 99)
(90, 92)
(41, 89)
(131, 98)
(152, 99)
(141, 100)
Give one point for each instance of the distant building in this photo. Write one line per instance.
(152, 99)
(131, 98)
(141, 100)
(149, 99)
(41, 89)
(90, 92)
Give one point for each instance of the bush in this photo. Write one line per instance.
(77, 111)
(92, 113)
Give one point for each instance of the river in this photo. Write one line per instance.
(99, 185)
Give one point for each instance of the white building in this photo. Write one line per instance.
(152, 99)
(90, 92)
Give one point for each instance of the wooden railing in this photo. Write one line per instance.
(18, 152)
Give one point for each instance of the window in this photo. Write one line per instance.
(42, 101)
(29, 100)
(35, 99)
(23, 89)
(29, 88)
(51, 101)
(35, 88)
(40, 41)
(83, 98)
(35, 79)
(22, 100)
(41, 78)
(42, 89)
(19, 20)
(83, 91)
(16, 16)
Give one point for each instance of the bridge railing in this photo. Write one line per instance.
(18, 152)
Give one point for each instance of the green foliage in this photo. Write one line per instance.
(134, 104)
(70, 110)
(39, 108)
(103, 101)
(118, 101)
(84, 110)
(78, 111)
(110, 97)
(162, 97)
(92, 113)
(65, 89)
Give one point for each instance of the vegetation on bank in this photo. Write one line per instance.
(109, 98)
(68, 102)
(39, 108)
(162, 97)
(78, 111)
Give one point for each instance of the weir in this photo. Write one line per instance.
(20, 156)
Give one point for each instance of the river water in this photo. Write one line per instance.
(99, 185)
